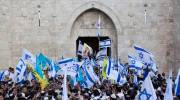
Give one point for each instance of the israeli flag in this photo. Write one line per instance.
(20, 70)
(153, 66)
(52, 69)
(109, 66)
(147, 91)
(112, 71)
(94, 63)
(2, 75)
(80, 47)
(88, 79)
(28, 57)
(101, 54)
(122, 69)
(105, 43)
(135, 64)
(144, 56)
(72, 69)
(91, 72)
(64, 61)
(168, 93)
(177, 84)
(121, 79)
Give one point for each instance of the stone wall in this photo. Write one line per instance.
(19, 27)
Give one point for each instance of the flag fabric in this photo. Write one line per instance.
(135, 64)
(153, 65)
(90, 76)
(43, 61)
(112, 71)
(168, 93)
(1, 75)
(28, 57)
(52, 69)
(64, 61)
(71, 69)
(94, 63)
(107, 67)
(43, 81)
(105, 43)
(87, 50)
(122, 69)
(38, 67)
(101, 54)
(20, 70)
(177, 84)
(80, 47)
(143, 55)
(147, 91)
(89, 81)
(91, 72)
(135, 79)
(121, 79)
(104, 67)
(80, 76)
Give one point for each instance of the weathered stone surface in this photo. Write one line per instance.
(62, 21)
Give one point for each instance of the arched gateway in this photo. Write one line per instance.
(83, 24)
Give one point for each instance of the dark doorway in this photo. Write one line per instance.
(93, 42)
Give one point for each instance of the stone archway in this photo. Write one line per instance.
(83, 22)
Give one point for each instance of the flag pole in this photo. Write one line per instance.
(99, 30)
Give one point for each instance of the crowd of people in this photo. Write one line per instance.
(106, 90)
(91, 78)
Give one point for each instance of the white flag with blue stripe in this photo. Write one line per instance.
(70, 66)
(101, 54)
(135, 64)
(28, 57)
(121, 79)
(52, 69)
(2, 75)
(143, 55)
(65, 61)
(177, 84)
(112, 70)
(80, 48)
(20, 70)
(105, 43)
(89, 79)
(147, 91)
(122, 69)
(168, 93)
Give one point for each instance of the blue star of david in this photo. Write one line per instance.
(123, 71)
(141, 55)
(27, 56)
(133, 61)
(21, 65)
(144, 92)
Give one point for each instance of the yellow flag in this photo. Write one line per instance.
(87, 50)
(43, 81)
(104, 68)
